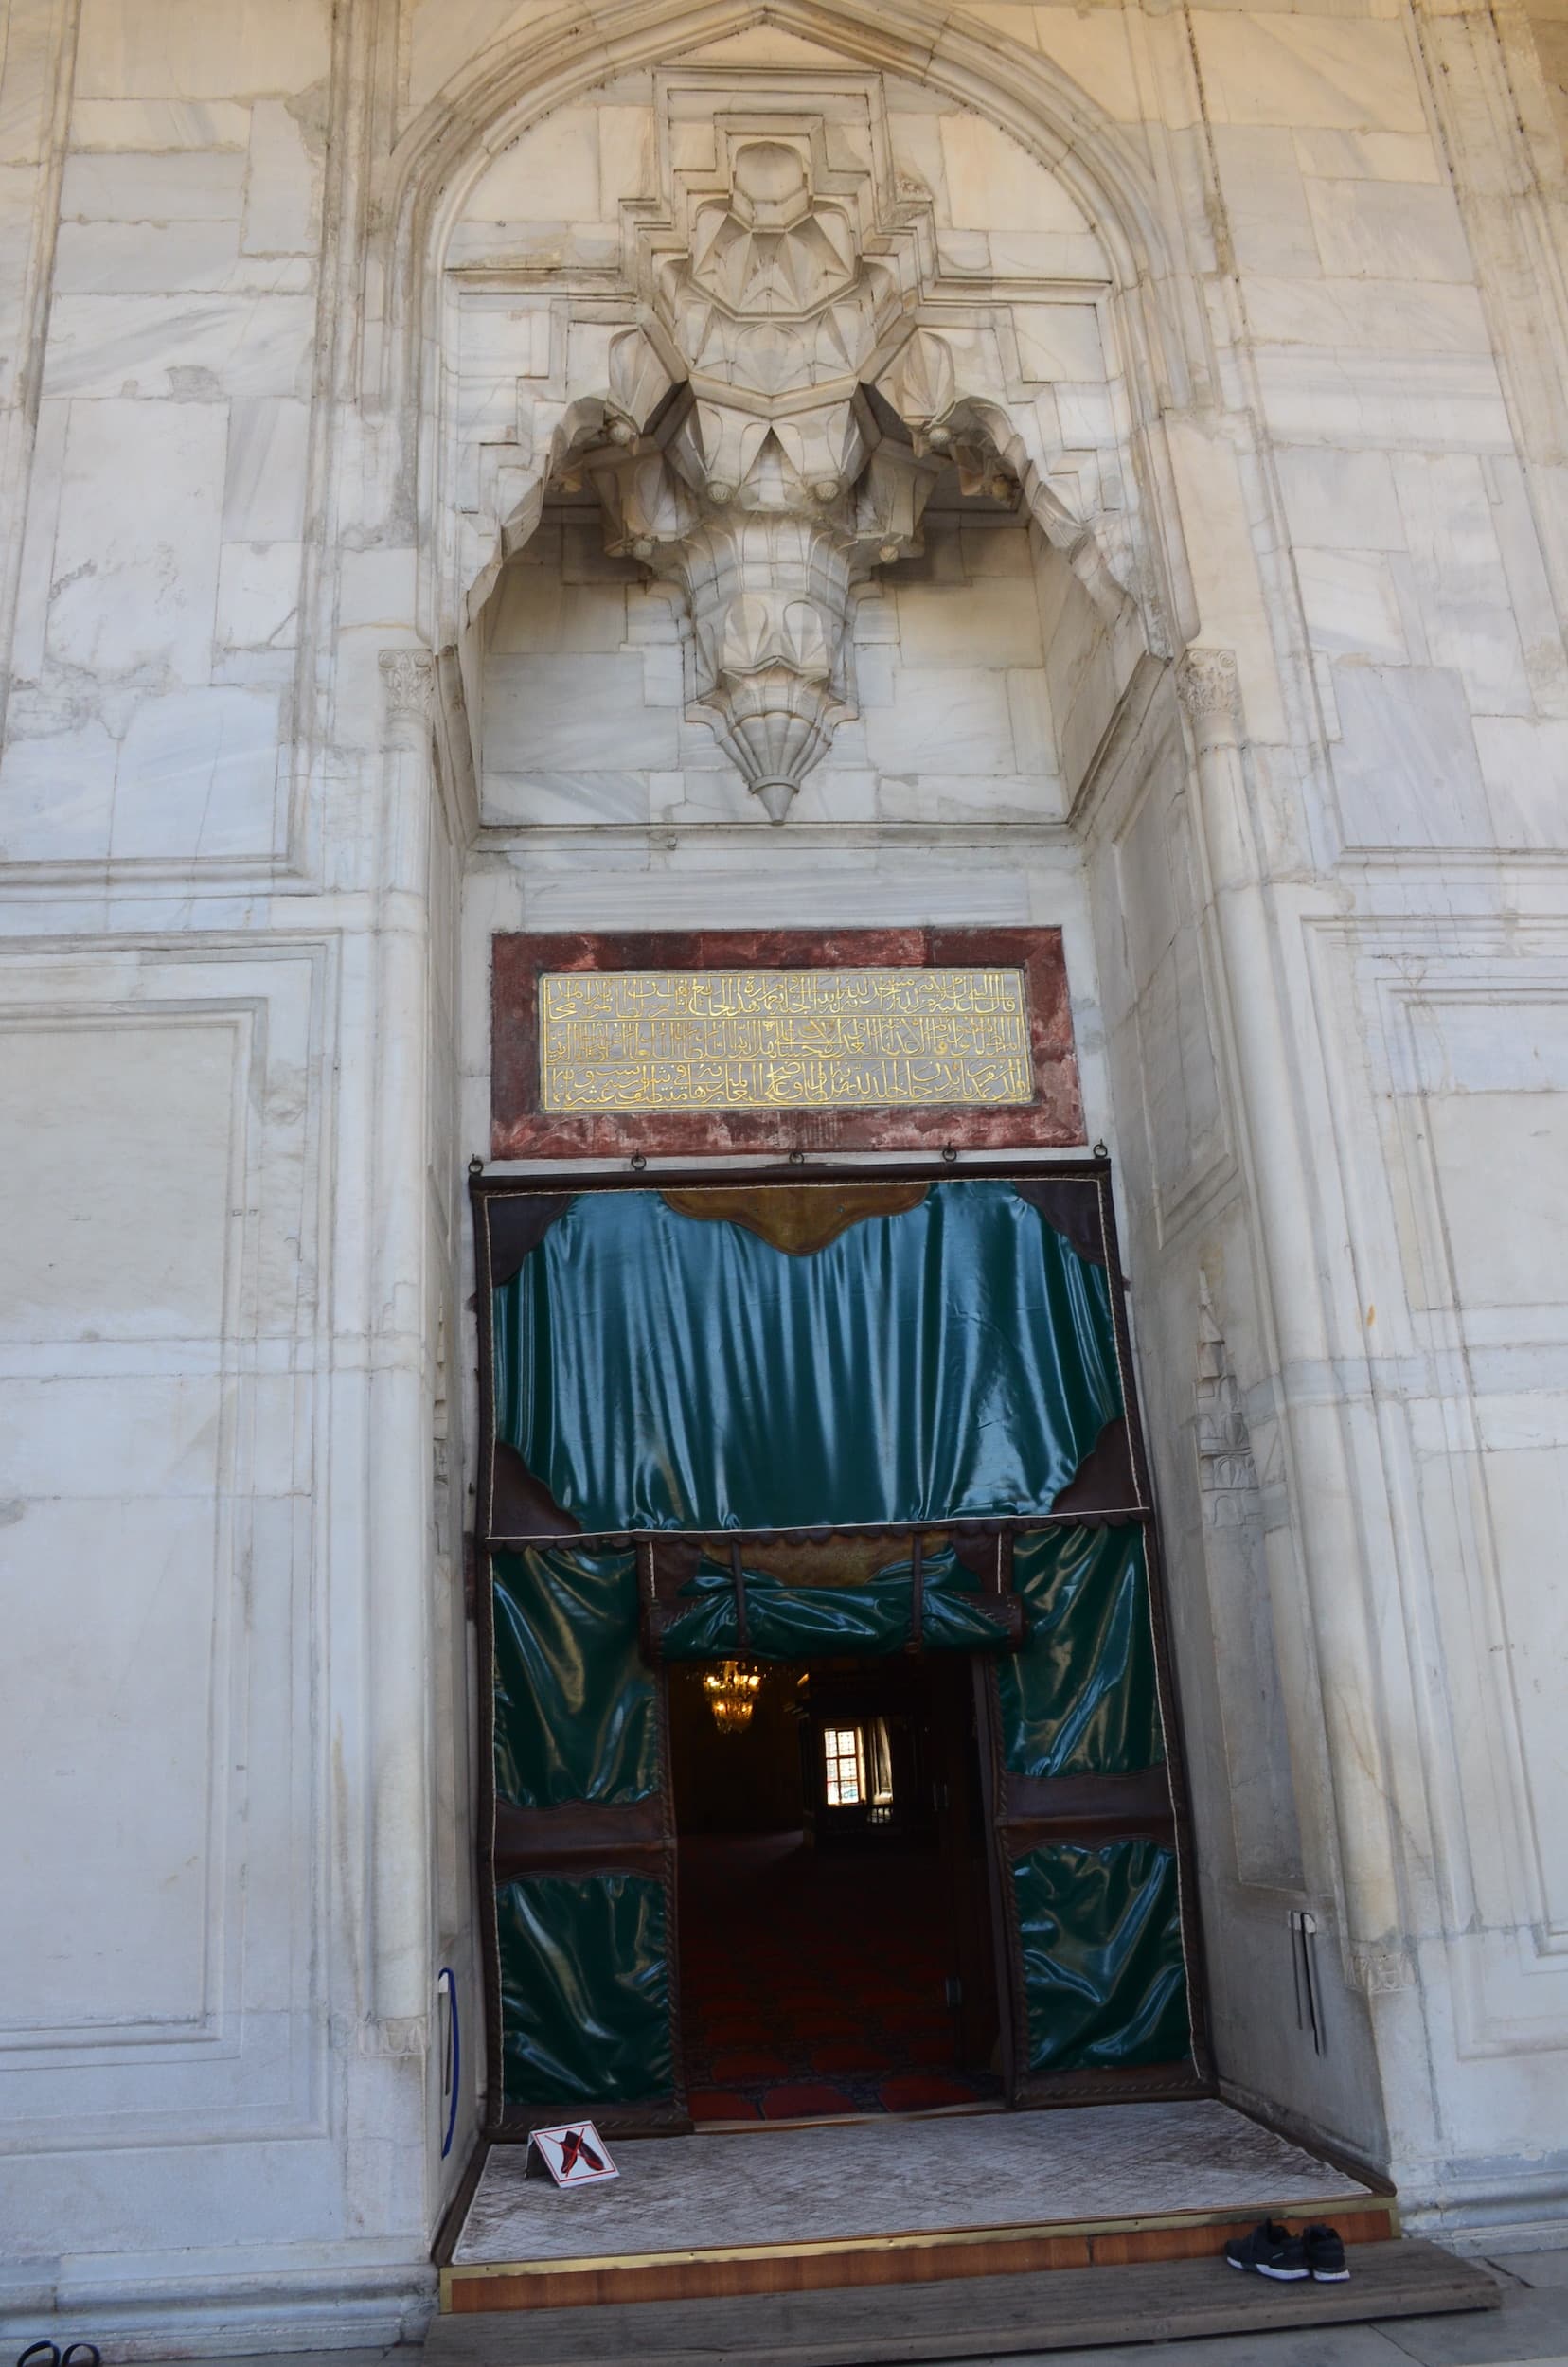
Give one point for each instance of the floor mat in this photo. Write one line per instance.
(815, 1983)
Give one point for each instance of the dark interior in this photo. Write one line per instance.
(835, 1934)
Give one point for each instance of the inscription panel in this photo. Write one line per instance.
(670, 1041)
(885, 1039)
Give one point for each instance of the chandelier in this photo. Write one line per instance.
(732, 1690)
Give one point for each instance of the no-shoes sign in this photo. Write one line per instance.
(574, 2154)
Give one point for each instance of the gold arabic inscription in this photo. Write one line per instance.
(648, 1040)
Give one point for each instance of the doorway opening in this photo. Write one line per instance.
(835, 1916)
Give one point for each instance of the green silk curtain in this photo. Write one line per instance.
(584, 1990)
(1080, 1699)
(869, 1621)
(660, 1371)
(1104, 1978)
(575, 1709)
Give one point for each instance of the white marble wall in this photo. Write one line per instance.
(584, 695)
(1270, 314)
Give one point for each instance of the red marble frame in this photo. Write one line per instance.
(520, 1130)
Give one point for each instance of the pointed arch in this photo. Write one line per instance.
(517, 80)
(1130, 564)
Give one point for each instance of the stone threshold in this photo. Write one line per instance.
(892, 2202)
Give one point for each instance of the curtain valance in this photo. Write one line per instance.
(654, 1371)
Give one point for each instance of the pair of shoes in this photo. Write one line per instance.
(1274, 2252)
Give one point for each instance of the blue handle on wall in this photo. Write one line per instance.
(446, 1979)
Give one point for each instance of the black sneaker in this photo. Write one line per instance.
(1271, 2249)
(1324, 2250)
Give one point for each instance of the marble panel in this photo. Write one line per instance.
(156, 125)
(1341, 499)
(1091, 44)
(1388, 230)
(169, 260)
(961, 710)
(1058, 341)
(148, 1262)
(550, 174)
(265, 476)
(439, 31)
(1405, 765)
(1527, 1498)
(1477, 1139)
(533, 610)
(951, 797)
(1458, 570)
(377, 588)
(57, 794)
(198, 777)
(1368, 155)
(915, 137)
(839, 793)
(282, 186)
(627, 156)
(1265, 200)
(985, 624)
(572, 798)
(1351, 605)
(1369, 316)
(197, 351)
(994, 184)
(1308, 71)
(1224, 569)
(100, 1438)
(1519, 507)
(1174, 1029)
(136, 555)
(187, 50)
(1033, 732)
(196, 186)
(1427, 402)
(576, 713)
(119, 1788)
(257, 595)
(1086, 414)
(984, 548)
(1525, 766)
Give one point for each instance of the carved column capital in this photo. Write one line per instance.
(408, 677)
(1209, 687)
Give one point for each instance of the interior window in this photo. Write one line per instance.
(843, 1751)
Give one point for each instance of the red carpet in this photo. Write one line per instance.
(814, 1984)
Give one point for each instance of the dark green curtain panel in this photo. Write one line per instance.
(1104, 1978)
(1079, 1699)
(660, 1371)
(1104, 1975)
(584, 1990)
(576, 1710)
(802, 1622)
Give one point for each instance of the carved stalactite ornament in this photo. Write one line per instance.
(766, 491)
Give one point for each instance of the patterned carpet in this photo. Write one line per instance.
(814, 1984)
